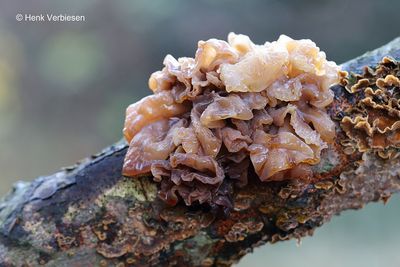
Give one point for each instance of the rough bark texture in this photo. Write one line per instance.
(90, 215)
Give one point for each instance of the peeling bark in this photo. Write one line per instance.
(90, 215)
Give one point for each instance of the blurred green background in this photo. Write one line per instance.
(64, 88)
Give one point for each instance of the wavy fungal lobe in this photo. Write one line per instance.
(233, 110)
(373, 124)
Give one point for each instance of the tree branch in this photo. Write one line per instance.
(89, 214)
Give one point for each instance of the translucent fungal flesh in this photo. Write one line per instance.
(235, 108)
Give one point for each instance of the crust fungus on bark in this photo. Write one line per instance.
(89, 214)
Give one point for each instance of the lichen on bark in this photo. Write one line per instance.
(89, 214)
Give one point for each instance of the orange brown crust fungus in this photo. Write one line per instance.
(373, 124)
(235, 109)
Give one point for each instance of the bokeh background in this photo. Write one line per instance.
(64, 88)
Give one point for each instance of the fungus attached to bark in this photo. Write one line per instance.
(374, 123)
(235, 108)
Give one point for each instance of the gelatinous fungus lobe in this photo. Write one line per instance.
(235, 108)
(373, 124)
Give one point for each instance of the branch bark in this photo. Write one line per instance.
(90, 215)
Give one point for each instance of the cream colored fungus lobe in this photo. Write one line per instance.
(236, 107)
